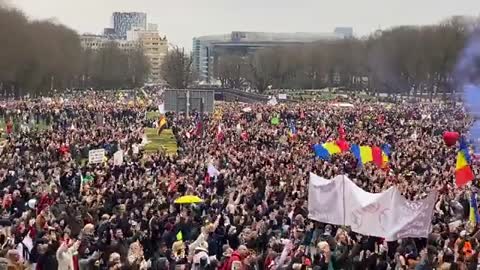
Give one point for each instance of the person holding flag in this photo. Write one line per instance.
(162, 124)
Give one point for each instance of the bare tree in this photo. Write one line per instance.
(231, 70)
(176, 68)
(40, 56)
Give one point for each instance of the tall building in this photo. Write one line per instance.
(108, 32)
(207, 48)
(155, 49)
(202, 52)
(125, 21)
(130, 32)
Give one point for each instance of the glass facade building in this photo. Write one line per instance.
(126, 21)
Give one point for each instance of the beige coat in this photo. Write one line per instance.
(65, 257)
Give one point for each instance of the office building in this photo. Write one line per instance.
(96, 42)
(125, 21)
(346, 32)
(109, 32)
(202, 52)
(155, 49)
(207, 48)
(130, 31)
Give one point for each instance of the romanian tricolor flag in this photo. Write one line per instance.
(473, 218)
(366, 154)
(463, 171)
(326, 150)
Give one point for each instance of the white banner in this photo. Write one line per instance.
(388, 214)
(282, 96)
(272, 101)
(96, 156)
(118, 158)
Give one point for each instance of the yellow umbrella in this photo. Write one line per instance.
(188, 199)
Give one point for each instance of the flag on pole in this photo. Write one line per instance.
(473, 218)
(463, 170)
(162, 124)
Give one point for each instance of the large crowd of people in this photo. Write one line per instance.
(61, 212)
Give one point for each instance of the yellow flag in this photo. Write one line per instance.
(179, 236)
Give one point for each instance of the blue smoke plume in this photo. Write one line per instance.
(467, 75)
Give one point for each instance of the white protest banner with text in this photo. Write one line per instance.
(325, 200)
(388, 214)
(96, 156)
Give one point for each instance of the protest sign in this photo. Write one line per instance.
(96, 156)
(118, 158)
(387, 214)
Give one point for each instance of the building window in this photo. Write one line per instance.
(154, 43)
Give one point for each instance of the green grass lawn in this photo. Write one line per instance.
(166, 141)
(153, 115)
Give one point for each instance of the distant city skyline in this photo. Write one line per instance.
(182, 20)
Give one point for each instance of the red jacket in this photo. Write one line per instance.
(234, 258)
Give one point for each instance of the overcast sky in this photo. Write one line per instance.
(181, 20)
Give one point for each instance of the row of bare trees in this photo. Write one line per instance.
(111, 67)
(406, 59)
(37, 57)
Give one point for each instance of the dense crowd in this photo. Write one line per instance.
(60, 212)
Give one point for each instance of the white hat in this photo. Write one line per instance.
(32, 203)
(203, 246)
